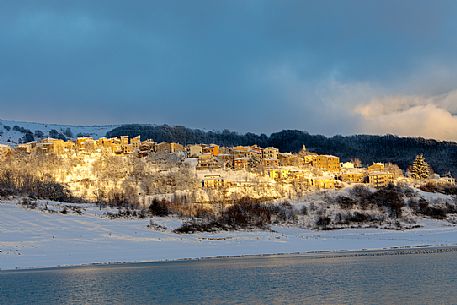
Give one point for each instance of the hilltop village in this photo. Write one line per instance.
(94, 169)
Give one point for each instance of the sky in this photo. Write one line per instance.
(326, 67)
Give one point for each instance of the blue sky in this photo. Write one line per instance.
(330, 67)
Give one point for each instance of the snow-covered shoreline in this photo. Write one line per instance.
(310, 255)
(36, 239)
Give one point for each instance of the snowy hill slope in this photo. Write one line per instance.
(15, 132)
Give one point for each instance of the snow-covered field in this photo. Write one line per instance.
(33, 238)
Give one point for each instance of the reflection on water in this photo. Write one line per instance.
(399, 279)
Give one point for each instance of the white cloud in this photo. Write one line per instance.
(429, 117)
(332, 106)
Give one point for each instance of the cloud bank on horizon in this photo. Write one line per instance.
(331, 67)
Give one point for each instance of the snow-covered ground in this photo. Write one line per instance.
(10, 136)
(33, 238)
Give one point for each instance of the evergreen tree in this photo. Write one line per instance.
(420, 168)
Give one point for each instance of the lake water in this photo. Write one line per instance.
(387, 279)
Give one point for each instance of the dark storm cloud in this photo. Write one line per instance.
(243, 65)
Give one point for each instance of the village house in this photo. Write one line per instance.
(376, 167)
(55, 146)
(289, 159)
(212, 149)
(240, 152)
(253, 151)
(124, 140)
(347, 165)
(270, 153)
(240, 163)
(214, 181)
(135, 142)
(207, 161)
(106, 145)
(85, 145)
(194, 151)
(26, 147)
(309, 158)
(327, 163)
(270, 163)
(45, 146)
(323, 183)
(146, 147)
(129, 146)
(169, 147)
(295, 176)
(353, 175)
(380, 179)
(225, 160)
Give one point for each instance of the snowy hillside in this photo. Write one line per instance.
(14, 132)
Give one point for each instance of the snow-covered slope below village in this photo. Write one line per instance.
(13, 132)
(34, 238)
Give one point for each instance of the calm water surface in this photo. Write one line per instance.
(390, 279)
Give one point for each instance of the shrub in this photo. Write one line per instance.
(323, 221)
(159, 208)
(438, 212)
(282, 212)
(360, 191)
(21, 129)
(38, 134)
(193, 227)
(57, 135)
(391, 199)
(28, 203)
(346, 203)
(120, 198)
(246, 213)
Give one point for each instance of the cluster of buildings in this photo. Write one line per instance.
(212, 161)
(82, 145)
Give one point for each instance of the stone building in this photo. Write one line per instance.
(169, 147)
(270, 153)
(353, 176)
(240, 163)
(380, 179)
(327, 163)
(194, 151)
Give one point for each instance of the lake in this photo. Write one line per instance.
(429, 278)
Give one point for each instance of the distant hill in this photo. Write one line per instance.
(15, 132)
(442, 156)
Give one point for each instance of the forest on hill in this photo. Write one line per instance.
(442, 156)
